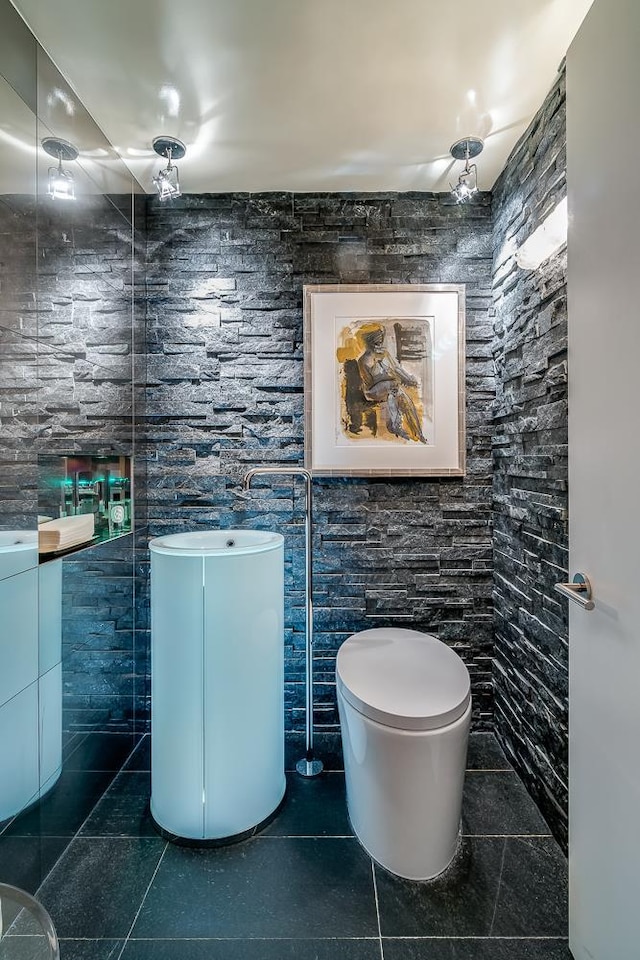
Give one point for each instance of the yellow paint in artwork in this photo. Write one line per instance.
(352, 345)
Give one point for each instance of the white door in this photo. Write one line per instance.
(603, 177)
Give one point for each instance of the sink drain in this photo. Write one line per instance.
(230, 543)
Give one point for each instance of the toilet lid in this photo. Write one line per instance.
(403, 678)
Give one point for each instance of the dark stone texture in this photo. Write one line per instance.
(18, 363)
(67, 349)
(312, 807)
(458, 903)
(512, 887)
(102, 751)
(90, 949)
(533, 895)
(95, 889)
(530, 469)
(476, 948)
(277, 949)
(123, 811)
(64, 808)
(267, 887)
(496, 803)
(98, 646)
(485, 753)
(25, 861)
(225, 275)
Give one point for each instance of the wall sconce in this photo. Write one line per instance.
(166, 182)
(467, 183)
(60, 182)
(545, 240)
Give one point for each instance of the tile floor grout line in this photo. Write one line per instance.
(375, 894)
(492, 770)
(479, 937)
(249, 939)
(144, 897)
(509, 836)
(447, 938)
(77, 747)
(495, 906)
(223, 846)
(76, 835)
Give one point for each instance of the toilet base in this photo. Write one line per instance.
(383, 866)
(404, 791)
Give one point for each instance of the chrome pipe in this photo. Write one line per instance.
(308, 766)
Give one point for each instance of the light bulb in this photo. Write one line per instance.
(61, 184)
(167, 183)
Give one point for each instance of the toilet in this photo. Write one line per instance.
(404, 700)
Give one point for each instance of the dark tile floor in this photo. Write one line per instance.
(32, 842)
(304, 889)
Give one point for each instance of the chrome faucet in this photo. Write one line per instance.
(308, 766)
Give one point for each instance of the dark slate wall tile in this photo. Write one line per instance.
(225, 392)
(69, 350)
(98, 653)
(18, 363)
(530, 469)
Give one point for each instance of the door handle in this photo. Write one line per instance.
(579, 591)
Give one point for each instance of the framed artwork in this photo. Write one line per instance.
(384, 380)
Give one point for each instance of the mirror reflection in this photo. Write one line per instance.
(67, 653)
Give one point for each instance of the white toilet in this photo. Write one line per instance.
(405, 707)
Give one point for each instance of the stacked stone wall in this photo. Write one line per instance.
(225, 276)
(530, 468)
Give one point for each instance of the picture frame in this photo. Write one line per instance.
(384, 380)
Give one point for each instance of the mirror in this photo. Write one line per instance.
(68, 671)
(19, 653)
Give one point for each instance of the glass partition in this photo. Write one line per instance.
(67, 351)
(19, 653)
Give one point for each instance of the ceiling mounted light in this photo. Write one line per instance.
(166, 182)
(61, 183)
(467, 183)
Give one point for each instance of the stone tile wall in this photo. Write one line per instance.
(225, 391)
(66, 385)
(18, 363)
(85, 375)
(530, 469)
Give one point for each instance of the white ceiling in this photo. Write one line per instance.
(309, 95)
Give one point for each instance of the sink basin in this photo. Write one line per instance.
(212, 542)
(18, 551)
(18, 539)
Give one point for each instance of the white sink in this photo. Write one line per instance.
(213, 542)
(18, 551)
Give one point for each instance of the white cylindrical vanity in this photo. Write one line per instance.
(217, 682)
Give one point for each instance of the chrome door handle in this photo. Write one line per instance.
(579, 591)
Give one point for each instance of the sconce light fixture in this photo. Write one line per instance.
(467, 183)
(546, 240)
(61, 183)
(166, 182)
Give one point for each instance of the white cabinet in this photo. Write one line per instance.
(30, 685)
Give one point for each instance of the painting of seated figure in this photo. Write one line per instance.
(385, 380)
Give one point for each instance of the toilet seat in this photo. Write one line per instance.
(403, 679)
